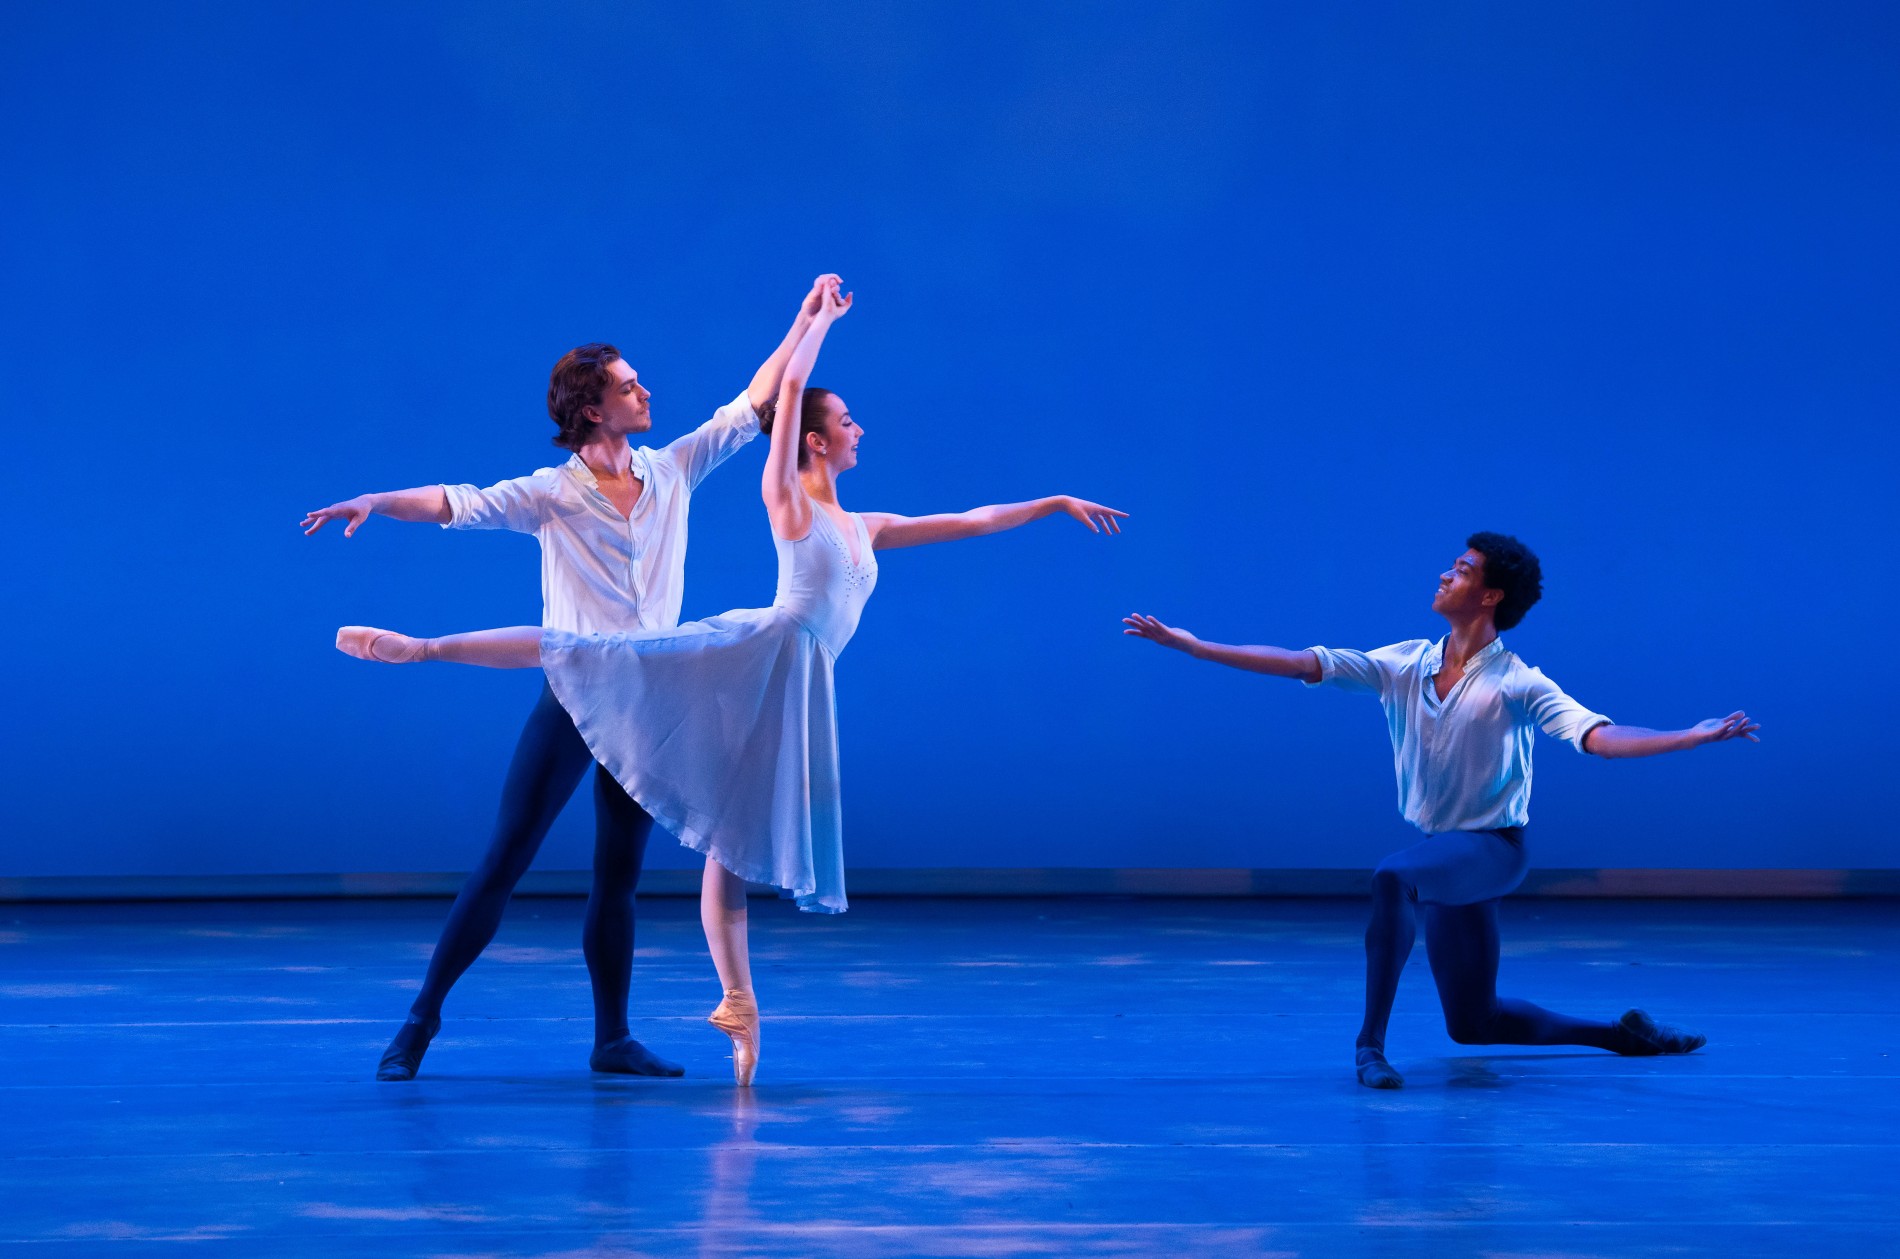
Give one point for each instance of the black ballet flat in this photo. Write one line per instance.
(628, 1056)
(1656, 1038)
(404, 1056)
(1374, 1071)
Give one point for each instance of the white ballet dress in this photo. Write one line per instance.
(726, 729)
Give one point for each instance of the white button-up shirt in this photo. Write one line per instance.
(1464, 764)
(602, 573)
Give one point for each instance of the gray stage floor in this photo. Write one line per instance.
(958, 1078)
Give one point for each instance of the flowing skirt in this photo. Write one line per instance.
(726, 731)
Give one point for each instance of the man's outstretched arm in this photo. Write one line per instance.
(426, 504)
(1623, 741)
(771, 373)
(1277, 662)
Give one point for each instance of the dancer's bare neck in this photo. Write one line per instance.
(1468, 638)
(820, 483)
(608, 457)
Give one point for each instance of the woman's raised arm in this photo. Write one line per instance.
(785, 502)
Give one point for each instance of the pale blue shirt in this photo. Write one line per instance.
(1463, 764)
(601, 573)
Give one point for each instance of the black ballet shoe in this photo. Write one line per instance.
(628, 1056)
(1374, 1071)
(404, 1056)
(1648, 1037)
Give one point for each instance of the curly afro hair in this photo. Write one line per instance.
(1509, 566)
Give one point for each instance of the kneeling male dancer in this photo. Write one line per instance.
(1462, 712)
(611, 522)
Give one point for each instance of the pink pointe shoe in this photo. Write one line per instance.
(382, 646)
(738, 1017)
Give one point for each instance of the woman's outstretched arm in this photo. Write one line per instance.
(888, 531)
(785, 502)
(517, 647)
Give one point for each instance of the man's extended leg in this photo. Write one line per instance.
(1462, 943)
(621, 828)
(1455, 866)
(548, 763)
(1389, 939)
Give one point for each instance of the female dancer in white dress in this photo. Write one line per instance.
(725, 729)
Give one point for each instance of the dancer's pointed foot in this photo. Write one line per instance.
(628, 1056)
(1647, 1037)
(404, 1055)
(382, 646)
(1374, 1071)
(738, 1017)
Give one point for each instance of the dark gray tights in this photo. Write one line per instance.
(548, 763)
(1455, 878)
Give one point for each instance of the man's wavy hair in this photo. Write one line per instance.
(1509, 566)
(579, 380)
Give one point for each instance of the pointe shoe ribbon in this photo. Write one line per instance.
(738, 1017)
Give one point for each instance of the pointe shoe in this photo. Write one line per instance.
(738, 1017)
(361, 641)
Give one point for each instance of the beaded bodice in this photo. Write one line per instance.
(818, 582)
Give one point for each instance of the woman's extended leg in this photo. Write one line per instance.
(722, 913)
(518, 647)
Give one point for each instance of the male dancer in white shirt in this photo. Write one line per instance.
(1462, 713)
(611, 522)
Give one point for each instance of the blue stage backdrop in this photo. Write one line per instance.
(1312, 291)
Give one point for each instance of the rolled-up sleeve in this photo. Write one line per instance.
(1364, 672)
(713, 442)
(1556, 713)
(520, 504)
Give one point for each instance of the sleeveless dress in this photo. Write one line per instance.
(725, 729)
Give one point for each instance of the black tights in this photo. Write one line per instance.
(547, 767)
(1455, 879)
(1461, 943)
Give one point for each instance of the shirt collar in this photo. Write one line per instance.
(637, 463)
(1435, 658)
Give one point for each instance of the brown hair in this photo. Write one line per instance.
(579, 380)
(811, 419)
